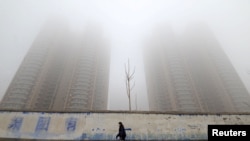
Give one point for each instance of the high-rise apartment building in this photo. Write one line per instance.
(63, 70)
(191, 73)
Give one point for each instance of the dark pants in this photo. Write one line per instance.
(122, 138)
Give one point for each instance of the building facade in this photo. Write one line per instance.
(192, 74)
(63, 70)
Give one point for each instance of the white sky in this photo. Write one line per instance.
(126, 23)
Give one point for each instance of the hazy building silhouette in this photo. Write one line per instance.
(191, 73)
(62, 70)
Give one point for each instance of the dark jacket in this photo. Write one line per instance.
(122, 132)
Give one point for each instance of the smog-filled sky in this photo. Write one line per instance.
(126, 25)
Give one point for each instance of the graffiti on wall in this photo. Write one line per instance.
(70, 124)
(42, 124)
(102, 126)
(15, 124)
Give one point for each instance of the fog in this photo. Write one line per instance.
(126, 25)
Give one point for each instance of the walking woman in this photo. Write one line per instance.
(122, 133)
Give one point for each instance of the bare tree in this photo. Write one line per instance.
(129, 77)
(136, 102)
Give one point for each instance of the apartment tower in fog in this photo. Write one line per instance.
(63, 70)
(191, 73)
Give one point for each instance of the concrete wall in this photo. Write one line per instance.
(104, 125)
